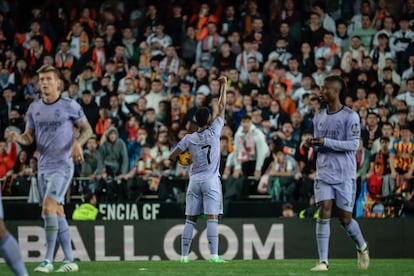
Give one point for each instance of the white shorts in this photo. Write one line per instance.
(204, 196)
(342, 193)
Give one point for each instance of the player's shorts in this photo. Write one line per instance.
(54, 184)
(343, 193)
(1, 208)
(204, 196)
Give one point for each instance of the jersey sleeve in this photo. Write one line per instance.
(217, 125)
(76, 112)
(183, 143)
(30, 122)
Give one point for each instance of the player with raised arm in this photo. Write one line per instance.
(51, 121)
(204, 193)
(336, 137)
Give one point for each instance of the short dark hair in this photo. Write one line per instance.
(342, 86)
(202, 114)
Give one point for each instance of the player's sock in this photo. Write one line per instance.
(355, 233)
(187, 237)
(51, 230)
(10, 251)
(64, 238)
(212, 236)
(323, 231)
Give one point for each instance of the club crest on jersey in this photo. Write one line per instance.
(57, 113)
(355, 130)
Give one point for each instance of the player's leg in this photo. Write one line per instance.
(64, 237)
(9, 248)
(345, 198)
(323, 196)
(192, 210)
(213, 206)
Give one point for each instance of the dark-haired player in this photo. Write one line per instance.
(204, 192)
(337, 132)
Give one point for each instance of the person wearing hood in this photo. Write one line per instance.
(113, 163)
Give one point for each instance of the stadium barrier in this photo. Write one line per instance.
(239, 239)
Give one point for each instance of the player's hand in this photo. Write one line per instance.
(14, 136)
(314, 142)
(77, 153)
(222, 80)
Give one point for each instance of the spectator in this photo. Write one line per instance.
(247, 60)
(248, 15)
(287, 211)
(169, 64)
(23, 40)
(329, 51)
(189, 46)
(327, 22)
(354, 54)
(230, 21)
(90, 107)
(131, 44)
(64, 58)
(78, 40)
(282, 171)
(87, 210)
(306, 59)
(225, 59)
(386, 131)
(342, 39)
(286, 102)
(380, 170)
(90, 165)
(408, 96)
(112, 165)
(175, 26)
(280, 53)
(314, 31)
(208, 46)
(401, 160)
(287, 15)
(251, 149)
(399, 42)
(388, 27)
(159, 40)
(306, 170)
(7, 158)
(86, 79)
(96, 56)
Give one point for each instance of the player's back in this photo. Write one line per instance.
(204, 148)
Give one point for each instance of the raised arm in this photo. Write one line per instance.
(223, 97)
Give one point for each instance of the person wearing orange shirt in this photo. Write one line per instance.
(286, 103)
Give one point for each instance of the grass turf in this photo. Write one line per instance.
(237, 267)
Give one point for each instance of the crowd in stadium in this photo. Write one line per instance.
(140, 70)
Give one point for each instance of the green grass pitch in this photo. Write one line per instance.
(236, 267)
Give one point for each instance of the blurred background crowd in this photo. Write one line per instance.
(140, 69)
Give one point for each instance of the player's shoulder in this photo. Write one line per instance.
(65, 100)
(348, 110)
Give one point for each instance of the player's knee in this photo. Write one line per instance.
(192, 218)
(345, 220)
